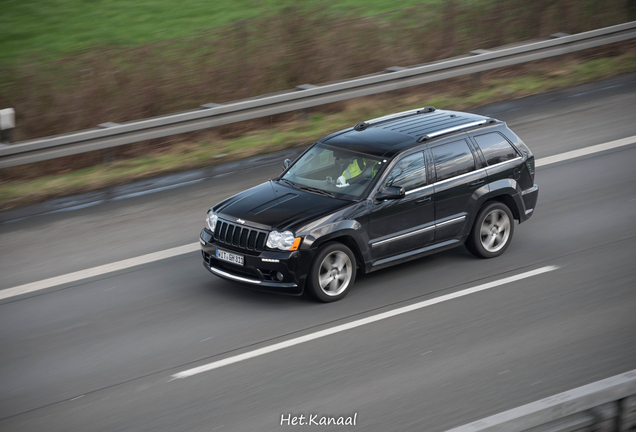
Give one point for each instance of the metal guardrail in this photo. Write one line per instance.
(112, 134)
(608, 405)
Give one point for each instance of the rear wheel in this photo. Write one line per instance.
(332, 272)
(492, 231)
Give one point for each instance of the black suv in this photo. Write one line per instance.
(381, 193)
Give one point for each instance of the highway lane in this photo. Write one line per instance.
(131, 330)
(61, 243)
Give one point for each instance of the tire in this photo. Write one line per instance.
(492, 231)
(332, 273)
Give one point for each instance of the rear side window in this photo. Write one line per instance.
(496, 149)
(409, 173)
(453, 159)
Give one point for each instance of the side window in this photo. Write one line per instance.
(453, 159)
(409, 173)
(495, 148)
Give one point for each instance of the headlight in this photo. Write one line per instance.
(283, 240)
(210, 221)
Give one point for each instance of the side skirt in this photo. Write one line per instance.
(414, 254)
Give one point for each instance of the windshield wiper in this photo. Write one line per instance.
(317, 191)
(289, 182)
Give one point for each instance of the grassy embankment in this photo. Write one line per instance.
(293, 133)
(82, 88)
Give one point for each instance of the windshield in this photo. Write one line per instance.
(341, 173)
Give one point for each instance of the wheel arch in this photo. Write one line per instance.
(506, 200)
(501, 196)
(348, 241)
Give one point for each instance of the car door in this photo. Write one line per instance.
(406, 224)
(458, 178)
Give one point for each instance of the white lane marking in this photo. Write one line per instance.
(357, 323)
(144, 259)
(585, 151)
(98, 271)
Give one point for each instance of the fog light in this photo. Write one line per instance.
(279, 276)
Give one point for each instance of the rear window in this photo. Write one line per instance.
(453, 159)
(496, 148)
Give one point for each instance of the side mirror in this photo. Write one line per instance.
(390, 193)
(286, 164)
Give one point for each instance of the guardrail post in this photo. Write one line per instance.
(108, 155)
(304, 113)
(605, 417)
(7, 123)
(621, 423)
(477, 75)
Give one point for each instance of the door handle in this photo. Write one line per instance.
(476, 182)
(425, 199)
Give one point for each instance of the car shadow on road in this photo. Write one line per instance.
(224, 291)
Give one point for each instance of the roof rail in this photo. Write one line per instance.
(422, 110)
(454, 129)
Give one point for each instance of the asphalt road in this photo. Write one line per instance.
(99, 354)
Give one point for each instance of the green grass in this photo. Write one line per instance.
(303, 132)
(58, 27)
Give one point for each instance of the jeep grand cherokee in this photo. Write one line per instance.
(386, 191)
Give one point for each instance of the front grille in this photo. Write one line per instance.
(239, 236)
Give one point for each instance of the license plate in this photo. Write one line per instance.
(229, 257)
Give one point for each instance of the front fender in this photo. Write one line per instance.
(347, 223)
(327, 232)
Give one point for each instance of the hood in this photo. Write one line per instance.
(275, 206)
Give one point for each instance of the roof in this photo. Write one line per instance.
(386, 136)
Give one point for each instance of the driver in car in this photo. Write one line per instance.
(357, 167)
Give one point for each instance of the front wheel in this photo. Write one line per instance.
(492, 231)
(332, 273)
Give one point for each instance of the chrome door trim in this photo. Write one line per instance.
(450, 221)
(420, 189)
(421, 230)
(418, 231)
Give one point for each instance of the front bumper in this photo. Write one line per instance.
(259, 270)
